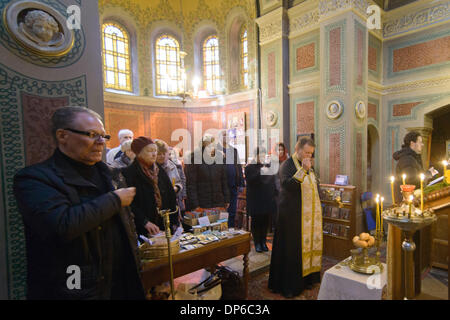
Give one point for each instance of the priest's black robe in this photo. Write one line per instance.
(286, 263)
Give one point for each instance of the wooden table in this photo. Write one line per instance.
(157, 271)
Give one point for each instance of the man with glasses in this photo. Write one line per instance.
(79, 231)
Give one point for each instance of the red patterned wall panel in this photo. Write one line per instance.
(335, 57)
(117, 119)
(163, 124)
(334, 156)
(271, 74)
(422, 54)
(372, 58)
(37, 112)
(403, 109)
(372, 111)
(359, 74)
(305, 117)
(305, 56)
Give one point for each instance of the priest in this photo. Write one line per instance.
(298, 240)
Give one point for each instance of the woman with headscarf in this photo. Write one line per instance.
(154, 189)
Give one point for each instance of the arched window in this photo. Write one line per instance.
(211, 67)
(168, 66)
(244, 57)
(116, 57)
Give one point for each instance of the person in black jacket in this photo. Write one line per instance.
(206, 178)
(410, 162)
(261, 198)
(153, 188)
(79, 232)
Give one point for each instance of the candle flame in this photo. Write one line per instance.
(445, 163)
(404, 176)
(382, 199)
(392, 179)
(376, 199)
(422, 177)
(411, 198)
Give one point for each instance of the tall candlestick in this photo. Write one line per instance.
(422, 177)
(404, 178)
(377, 217)
(392, 190)
(381, 215)
(446, 175)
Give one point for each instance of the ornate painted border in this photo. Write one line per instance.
(49, 62)
(362, 184)
(421, 39)
(303, 41)
(426, 101)
(361, 88)
(416, 20)
(341, 130)
(12, 84)
(293, 124)
(342, 86)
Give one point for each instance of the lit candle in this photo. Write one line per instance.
(446, 173)
(410, 206)
(392, 190)
(404, 178)
(377, 217)
(422, 177)
(381, 215)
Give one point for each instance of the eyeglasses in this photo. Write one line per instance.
(91, 134)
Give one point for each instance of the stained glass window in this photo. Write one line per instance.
(168, 71)
(244, 57)
(211, 68)
(116, 57)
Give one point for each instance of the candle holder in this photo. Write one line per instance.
(409, 219)
(362, 262)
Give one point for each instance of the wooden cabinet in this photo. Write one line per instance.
(340, 221)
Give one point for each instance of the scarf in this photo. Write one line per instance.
(152, 174)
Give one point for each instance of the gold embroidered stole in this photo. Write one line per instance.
(311, 214)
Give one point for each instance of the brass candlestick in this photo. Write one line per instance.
(165, 214)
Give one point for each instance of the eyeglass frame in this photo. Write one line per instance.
(105, 137)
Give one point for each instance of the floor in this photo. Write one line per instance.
(434, 283)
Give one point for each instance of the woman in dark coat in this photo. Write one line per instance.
(153, 189)
(261, 198)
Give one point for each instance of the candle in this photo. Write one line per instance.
(377, 215)
(410, 206)
(422, 177)
(446, 173)
(392, 190)
(381, 215)
(404, 178)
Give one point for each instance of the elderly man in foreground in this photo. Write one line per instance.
(79, 231)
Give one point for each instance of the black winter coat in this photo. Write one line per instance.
(144, 203)
(261, 191)
(409, 163)
(206, 184)
(63, 227)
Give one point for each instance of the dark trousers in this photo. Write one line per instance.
(233, 207)
(260, 223)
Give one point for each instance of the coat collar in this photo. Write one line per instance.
(65, 170)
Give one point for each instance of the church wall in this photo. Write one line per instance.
(34, 87)
(416, 65)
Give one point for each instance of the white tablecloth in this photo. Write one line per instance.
(342, 283)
